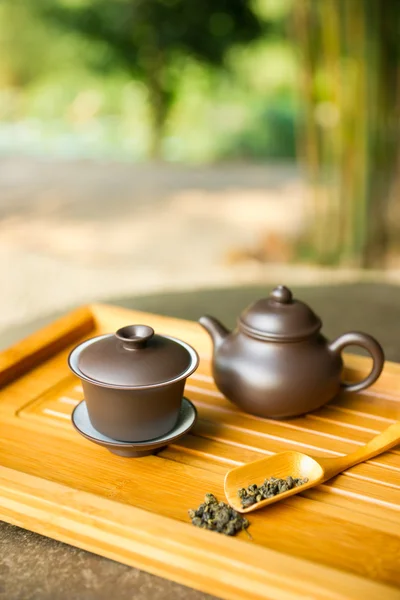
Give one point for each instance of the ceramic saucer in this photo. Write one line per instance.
(186, 420)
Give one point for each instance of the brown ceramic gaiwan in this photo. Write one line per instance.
(133, 381)
(277, 364)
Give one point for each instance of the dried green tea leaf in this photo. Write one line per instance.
(218, 516)
(271, 487)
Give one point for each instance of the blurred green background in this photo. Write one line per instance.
(132, 79)
(300, 98)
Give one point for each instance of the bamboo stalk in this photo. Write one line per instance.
(352, 47)
(308, 145)
(358, 116)
(331, 137)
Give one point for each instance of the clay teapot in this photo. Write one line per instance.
(277, 364)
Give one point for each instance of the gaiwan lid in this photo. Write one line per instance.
(133, 357)
(279, 317)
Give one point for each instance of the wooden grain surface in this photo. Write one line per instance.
(340, 540)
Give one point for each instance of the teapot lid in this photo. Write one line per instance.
(133, 357)
(279, 317)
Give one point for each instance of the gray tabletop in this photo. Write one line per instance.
(33, 567)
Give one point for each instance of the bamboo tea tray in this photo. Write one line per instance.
(338, 541)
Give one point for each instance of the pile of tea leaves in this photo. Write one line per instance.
(271, 487)
(218, 516)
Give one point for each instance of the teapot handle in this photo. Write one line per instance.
(370, 344)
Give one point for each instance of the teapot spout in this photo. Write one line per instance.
(215, 329)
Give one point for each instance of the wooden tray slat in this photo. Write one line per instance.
(348, 529)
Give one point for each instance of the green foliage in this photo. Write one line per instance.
(270, 134)
(22, 59)
(148, 38)
(139, 33)
(69, 89)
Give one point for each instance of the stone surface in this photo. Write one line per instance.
(373, 308)
(33, 567)
(369, 307)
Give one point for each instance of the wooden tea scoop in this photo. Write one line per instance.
(299, 465)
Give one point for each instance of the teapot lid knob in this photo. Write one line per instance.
(279, 317)
(282, 295)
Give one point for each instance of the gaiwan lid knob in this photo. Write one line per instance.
(134, 337)
(135, 356)
(279, 317)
